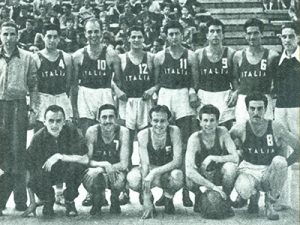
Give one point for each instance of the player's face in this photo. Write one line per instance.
(215, 35)
(159, 122)
(54, 122)
(289, 39)
(51, 39)
(256, 111)
(174, 36)
(93, 33)
(9, 36)
(253, 36)
(208, 123)
(107, 119)
(136, 39)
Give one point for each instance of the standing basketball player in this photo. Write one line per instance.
(54, 75)
(176, 76)
(93, 69)
(137, 82)
(254, 69)
(216, 78)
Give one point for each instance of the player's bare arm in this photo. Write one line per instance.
(193, 98)
(284, 137)
(193, 147)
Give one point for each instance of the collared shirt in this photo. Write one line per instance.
(285, 56)
(18, 74)
(43, 145)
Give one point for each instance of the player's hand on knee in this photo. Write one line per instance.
(194, 100)
(220, 191)
(208, 160)
(51, 161)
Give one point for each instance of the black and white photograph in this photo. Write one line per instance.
(149, 112)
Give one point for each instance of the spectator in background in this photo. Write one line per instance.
(27, 35)
(67, 14)
(294, 10)
(86, 8)
(23, 16)
(188, 31)
(4, 14)
(135, 6)
(127, 16)
(70, 36)
(122, 34)
(158, 45)
(150, 34)
(15, 9)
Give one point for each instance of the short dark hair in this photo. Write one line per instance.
(31, 21)
(253, 22)
(159, 40)
(215, 22)
(10, 23)
(160, 108)
(209, 109)
(135, 28)
(291, 25)
(55, 109)
(51, 26)
(256, 96)
(107, 106)
(93, 20)
(67, 5)
(173, 24)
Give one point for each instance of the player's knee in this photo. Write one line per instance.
(279, 162)
(134, 179)
(177, 177)
(229, 169)
(245, 186)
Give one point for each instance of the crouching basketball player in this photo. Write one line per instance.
(211, 157)
(160, 152)
(263, 167)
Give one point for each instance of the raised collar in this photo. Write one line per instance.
(16, 53)
(294, 55)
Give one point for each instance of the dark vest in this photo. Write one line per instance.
(259, 150)
(215, 150)
(287, 84)
(95, 73)
(214, 77)
(107, 152)
(162, 156)
(52, 77)
(175, 73)
(136, 78)
(255, 77)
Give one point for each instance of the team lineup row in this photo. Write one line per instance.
(220, 76)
